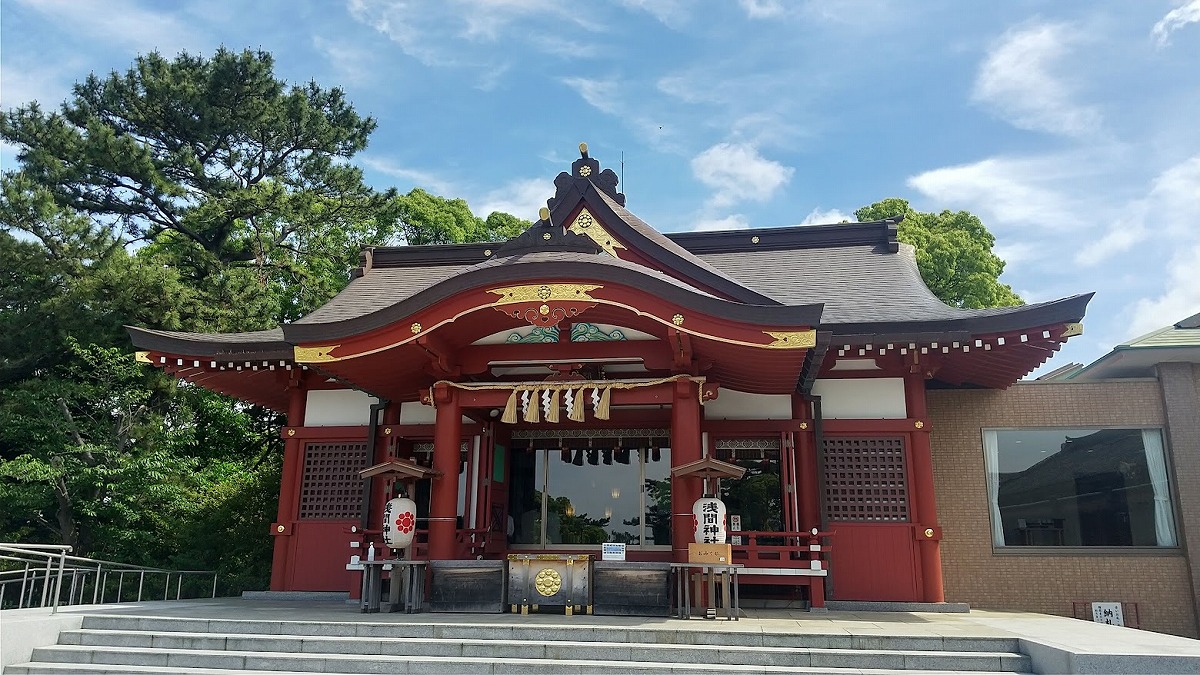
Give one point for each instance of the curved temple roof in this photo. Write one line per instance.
(854, 282)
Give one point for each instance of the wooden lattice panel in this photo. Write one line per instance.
(332, 487)
(865, 479)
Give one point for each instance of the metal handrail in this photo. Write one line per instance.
(33, 566)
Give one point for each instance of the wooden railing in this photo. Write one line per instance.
(785, 559)
(469, 544)
(799, 550)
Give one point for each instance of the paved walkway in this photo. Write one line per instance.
(1056, 644)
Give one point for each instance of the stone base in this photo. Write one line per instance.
(300, 596)
(884, 606)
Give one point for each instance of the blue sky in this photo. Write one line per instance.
(1071, 128)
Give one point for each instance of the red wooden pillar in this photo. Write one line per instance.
(807, 485)
(289, 489)
(926, 529)
(685, 447)
(443, 504)
(385, 448)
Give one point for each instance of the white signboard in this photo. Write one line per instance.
(735, 525)
(611, 551)
(1108, 612)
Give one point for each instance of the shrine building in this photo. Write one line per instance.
(548, 386)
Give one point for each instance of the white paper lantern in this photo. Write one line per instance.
(708, 520)
(399, 522)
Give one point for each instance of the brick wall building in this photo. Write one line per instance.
(1047, 579)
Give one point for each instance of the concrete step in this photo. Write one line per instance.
(695, 634)
(551, 649)
(130, 644)
(534, 668)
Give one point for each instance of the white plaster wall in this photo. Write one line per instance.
(338, 407)
(738, 405)
(415, 412)
(862, 398)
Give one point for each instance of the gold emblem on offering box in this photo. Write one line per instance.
(547, 582)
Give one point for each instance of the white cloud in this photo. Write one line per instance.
(600, 94)
(352, 64)
(121, 22)
(1189, 12)
(467, 33)
(418, 178)
(732, 222)
(762, 9)
(521, 198)
(738, 173)
(670, 13)
(819, 217)
(1006, 191)
(1017, 253)
(1180, 300)
(1170, 209)
(1017, 82)
(24, 83)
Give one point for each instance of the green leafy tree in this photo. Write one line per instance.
(954, 254)
(430, 219)
(188, 194)
(219, 164)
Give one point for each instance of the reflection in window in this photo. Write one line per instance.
(756, 496)
(583, 496)
(1078, 487)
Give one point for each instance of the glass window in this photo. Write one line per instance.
(1078, 487)
(589, 496)
(756, 496)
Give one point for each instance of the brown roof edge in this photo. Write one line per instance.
(874, 233)
(976, 322)
(267, 345)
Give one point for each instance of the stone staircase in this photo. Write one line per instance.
(130, 644)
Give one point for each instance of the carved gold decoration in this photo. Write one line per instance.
(544, 310)
(547, 582)
(387, 431)
(754, 239)
(929, 532)
(1071, 330)
(280, 528)
(544, 293)
(583, 148)
(803, 426)
(585, 171)
(802, 339)
(677, 319)
(415, 328)
(315, 354)
(546, 236)
(488, 252)
(587, 225)
(544, 213)
(142, 357)
(919, 424)
(291, 432)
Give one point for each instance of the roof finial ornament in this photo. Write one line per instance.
(544, 214)
(585, 174)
